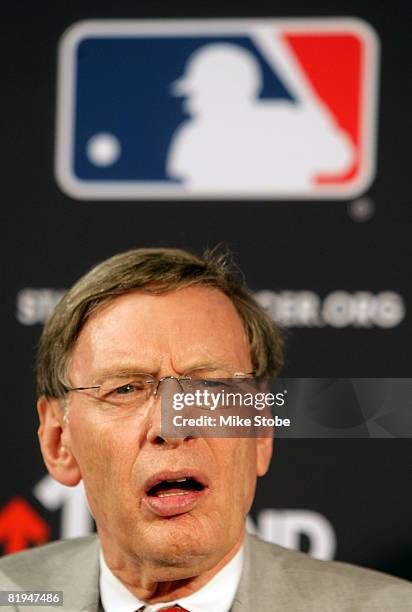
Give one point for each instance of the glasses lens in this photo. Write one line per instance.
(132, 390)
(212, 384)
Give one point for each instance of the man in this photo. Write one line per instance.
(170, 512)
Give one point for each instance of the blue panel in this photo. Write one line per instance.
(123, 87)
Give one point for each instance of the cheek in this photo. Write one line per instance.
(104, 454)
(241, 472)
(250, 477)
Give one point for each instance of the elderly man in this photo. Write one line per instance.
(170, 512)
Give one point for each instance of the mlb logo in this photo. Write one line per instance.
(246, 109)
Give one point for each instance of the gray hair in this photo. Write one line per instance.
(157, 271)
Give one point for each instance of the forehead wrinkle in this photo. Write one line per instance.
(189, 338)
(203, 364)
(129, 370)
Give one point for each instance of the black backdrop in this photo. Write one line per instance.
(361, 487)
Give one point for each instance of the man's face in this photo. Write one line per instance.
(193, 330)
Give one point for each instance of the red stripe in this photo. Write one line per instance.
(334, 64)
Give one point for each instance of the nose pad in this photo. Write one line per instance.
(156, 387)
(171, 378)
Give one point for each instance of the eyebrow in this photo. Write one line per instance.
(204, 365)
(120, 372)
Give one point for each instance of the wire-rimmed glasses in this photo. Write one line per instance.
(135, 389)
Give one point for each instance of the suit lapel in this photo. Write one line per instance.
(241, 603)
(80, 577)
(84, 592)
(257, 587)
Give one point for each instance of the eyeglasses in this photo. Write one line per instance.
(137, 388)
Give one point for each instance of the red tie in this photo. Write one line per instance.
(175, 608)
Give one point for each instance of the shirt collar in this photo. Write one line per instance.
(217, 595)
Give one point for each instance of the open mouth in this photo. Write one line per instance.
(179, 486)
(171, 494)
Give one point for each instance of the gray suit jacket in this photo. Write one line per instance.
(273, 579)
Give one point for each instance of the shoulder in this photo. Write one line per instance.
(323, 583)
(49, 565)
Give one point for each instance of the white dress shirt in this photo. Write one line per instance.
(216, 596)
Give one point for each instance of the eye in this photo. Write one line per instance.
(224, 384)
(132, 387)
(125, 389)
(212, 383)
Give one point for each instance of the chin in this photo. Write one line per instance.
(179, 544)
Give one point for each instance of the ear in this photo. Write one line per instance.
(54, 439)
(264, 447)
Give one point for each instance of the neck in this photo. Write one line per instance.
(156, 582)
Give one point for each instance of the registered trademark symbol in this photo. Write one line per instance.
(361, 210)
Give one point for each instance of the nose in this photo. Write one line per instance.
(155, 434)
